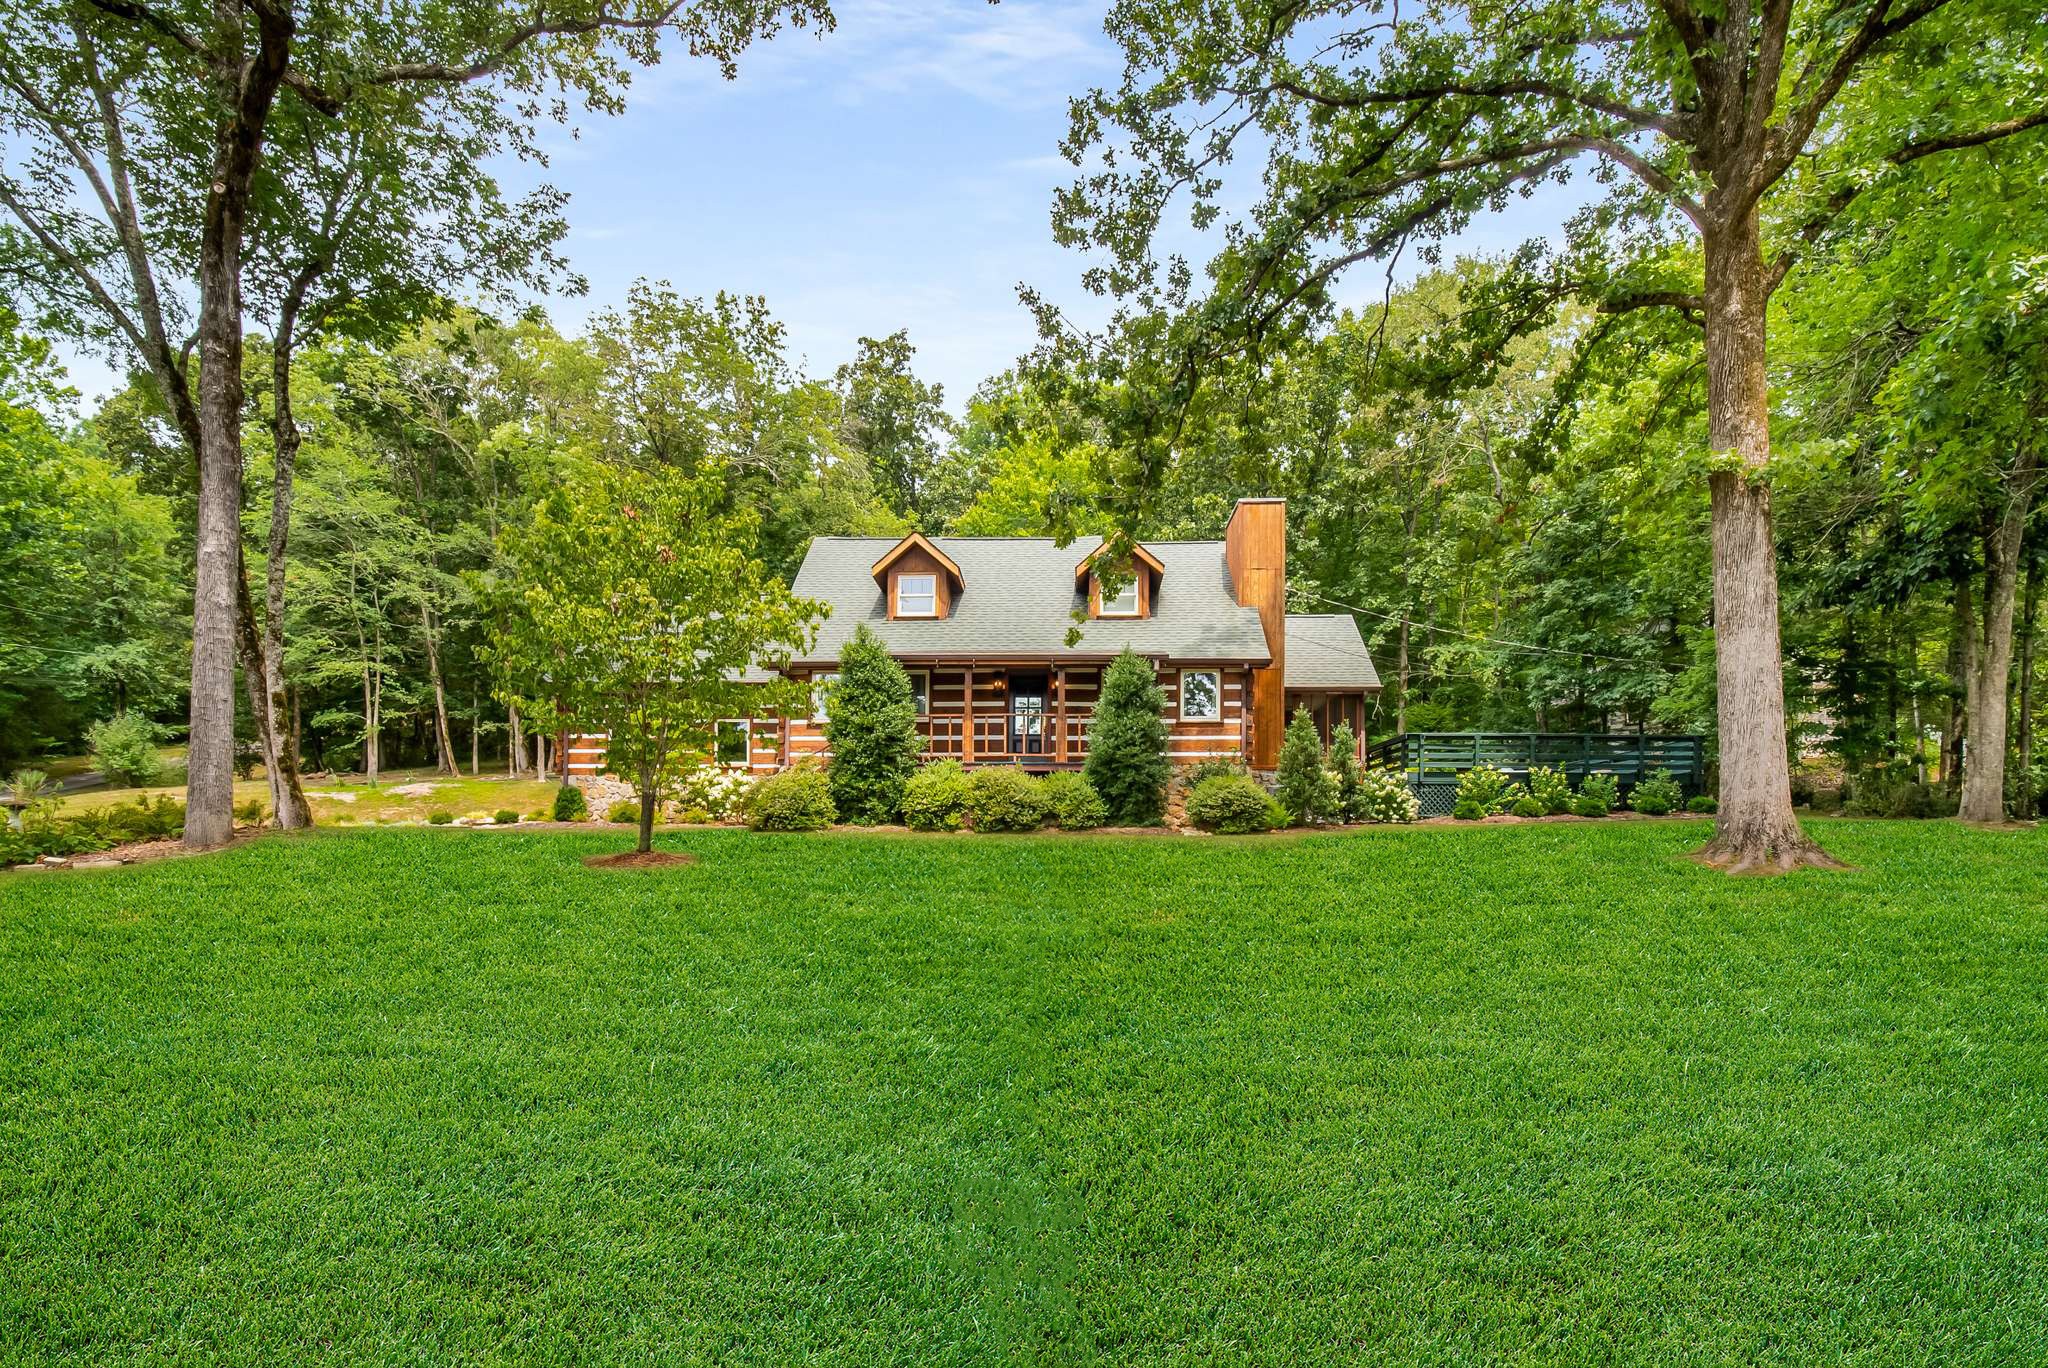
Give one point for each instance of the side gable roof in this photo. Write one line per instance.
(1325, 651)
(1018, 596)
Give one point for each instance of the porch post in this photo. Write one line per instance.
(1061, 685)
(967, 720)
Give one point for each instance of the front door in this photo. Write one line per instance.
(1027, 714)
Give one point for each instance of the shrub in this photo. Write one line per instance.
(1704, 802)
(693, 816)
(871, 726)
(1191, 775)
(1127, 743)
(717, 793)
(1303, 786)
(1597, 795)
(935, 798)
(1483, 791)
(1552, 789)
(1656, 794)
(1233, 804)
(1384, 796)
(625, 810)
(1529, 805)
(505, 817)
(145, 819)
(798, 799)
(440, 819)
(30, 786)
(249, 813)
(1345, 773)
(570, 804)
(1002, 798)
(124, 749)
(1072, 801)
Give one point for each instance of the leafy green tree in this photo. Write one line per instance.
(639, 601)
(1301, 783)
(1387, 127)
(871, 726)
(1126, 762)
(1345, 773)
(895, 421)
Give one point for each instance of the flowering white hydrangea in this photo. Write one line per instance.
(1384, 796)
(712, 791)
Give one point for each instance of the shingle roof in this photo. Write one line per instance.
(1325, 651)
(1019, 597)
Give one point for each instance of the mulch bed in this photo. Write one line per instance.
(639, 859)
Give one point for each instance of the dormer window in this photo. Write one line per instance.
(1124, 603)
(1133, 597)
(917, 596)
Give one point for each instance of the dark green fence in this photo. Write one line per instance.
(1432, 761)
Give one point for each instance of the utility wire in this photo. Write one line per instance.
(1475, 636)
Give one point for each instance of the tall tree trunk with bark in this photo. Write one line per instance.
(1987, 664)
(2028, 629)
(1755, 829)
(245, 90)
(288, 793)
(444, 744)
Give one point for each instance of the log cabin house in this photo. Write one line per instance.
(982, 626)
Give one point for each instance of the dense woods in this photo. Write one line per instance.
(1515, 471)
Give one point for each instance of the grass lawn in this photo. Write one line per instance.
(1543, 1093)
(350, 802)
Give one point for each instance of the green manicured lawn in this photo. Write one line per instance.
(1544, 1093)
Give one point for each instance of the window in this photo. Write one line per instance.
(917, 596)
(821, 694)
(1201, 696)
(731, 742)
(1125, 604)
(921, 692)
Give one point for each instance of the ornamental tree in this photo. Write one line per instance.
(635, 603)
(1127, 743)
(1385, 125)
(871, 726)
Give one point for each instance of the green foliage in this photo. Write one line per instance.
(1234, 804)
(29, 786)
(1345, 773)
(716, 792)
(1126, 762)
(1528, 805)
(1598, 794)
(1303, 787)
(935, 798)
(1702, 803)
(1889, 793)
(1188, 776)
(1483, 791)
(625, 811)
(570, 804)
(1656, 794)
(796, 799)
(895, 421)
(505, 817)
(1005, 798)
(1384, 796)
(1072, 802)
(124, 748)
(440, 818)
(871, 726)
(1551, 788)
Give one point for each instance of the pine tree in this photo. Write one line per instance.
(1127, 743)
(1304, 786)
(1350, 804)
(871, 725)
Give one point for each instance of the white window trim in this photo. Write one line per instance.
(930, 612)
(1182, 685)
(926, 676)
(746, 726)
(820, 713)
(1102, 601)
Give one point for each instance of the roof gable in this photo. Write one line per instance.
(917, 541)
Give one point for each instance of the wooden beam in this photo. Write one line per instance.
(967, 720)
(1061, 685)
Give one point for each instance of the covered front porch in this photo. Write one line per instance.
(1030, 714)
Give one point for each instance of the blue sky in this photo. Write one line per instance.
(896, 173)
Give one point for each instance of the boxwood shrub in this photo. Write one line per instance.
(935, 798)
(794, 800)
(1597, 794)
(1072, 802)
(570, 804)
(1233, 804)
(1002, 798)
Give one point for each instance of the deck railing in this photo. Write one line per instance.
(1432, 761)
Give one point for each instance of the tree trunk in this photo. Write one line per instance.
(1988, 661)
(444, 744)
(287, 792)
(515, 744)
(245, 89)
(1755, 830)
(646, 816)
(2026, 719)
